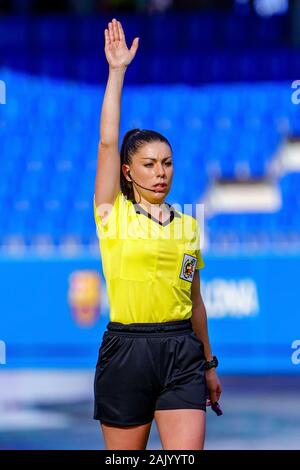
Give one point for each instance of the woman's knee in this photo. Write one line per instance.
(181, 428)
(126, 437)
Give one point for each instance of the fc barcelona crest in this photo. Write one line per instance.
(188, 267)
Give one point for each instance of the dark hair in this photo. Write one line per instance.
(133, 140)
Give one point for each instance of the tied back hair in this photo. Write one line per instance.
(133, 140)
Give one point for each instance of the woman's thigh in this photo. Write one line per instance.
(181, 428)
(126, 437)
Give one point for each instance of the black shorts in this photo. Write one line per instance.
(143, 367)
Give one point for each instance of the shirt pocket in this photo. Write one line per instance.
(138, 259)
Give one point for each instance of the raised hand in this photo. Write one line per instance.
(117, 53)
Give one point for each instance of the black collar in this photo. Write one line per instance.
(173, 213)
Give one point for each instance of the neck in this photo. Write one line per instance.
(154, 206)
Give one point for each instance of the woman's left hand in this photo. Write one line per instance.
(213, 385)
(117, 53)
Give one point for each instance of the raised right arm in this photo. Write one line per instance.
(107, 182)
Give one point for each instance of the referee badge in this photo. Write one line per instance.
(188, 267)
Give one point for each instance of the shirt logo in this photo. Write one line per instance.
(188, 267)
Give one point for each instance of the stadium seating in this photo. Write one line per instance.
(209, 47)
(49, 141)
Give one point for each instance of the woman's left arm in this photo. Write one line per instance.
(199, 323)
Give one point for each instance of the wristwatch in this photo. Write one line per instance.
(213, 363)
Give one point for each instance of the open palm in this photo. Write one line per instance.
(117, 53)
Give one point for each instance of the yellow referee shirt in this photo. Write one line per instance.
(148, 265)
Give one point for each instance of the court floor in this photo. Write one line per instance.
(52, 409)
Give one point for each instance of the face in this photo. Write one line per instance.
(151, 165)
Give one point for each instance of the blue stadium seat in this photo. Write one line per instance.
(214, 131)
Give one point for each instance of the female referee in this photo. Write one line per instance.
(155, 360)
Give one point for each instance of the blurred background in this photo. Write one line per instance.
(221, 80)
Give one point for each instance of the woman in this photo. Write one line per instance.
(155, 359)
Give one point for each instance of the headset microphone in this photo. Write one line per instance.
(149, 189)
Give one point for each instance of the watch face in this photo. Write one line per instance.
(213, 363)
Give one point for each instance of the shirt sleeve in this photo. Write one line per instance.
(107, 227)
(200, 263)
